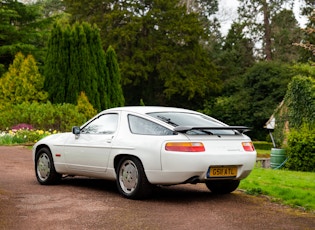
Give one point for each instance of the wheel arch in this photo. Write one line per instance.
(120, 156)
(39, 147)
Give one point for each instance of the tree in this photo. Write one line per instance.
(75, 62)
(308, 43)
(22, 29)
(284, 32)
(252, 11)
(84, 107)
(236, 56)
(115, 94)
(97, 59)
(57, 63)
(307, 8)
(260, 91)
(159, 47)
(22, 82)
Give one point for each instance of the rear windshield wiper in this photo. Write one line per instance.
(184, 129)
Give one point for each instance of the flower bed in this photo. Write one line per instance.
(23, 136)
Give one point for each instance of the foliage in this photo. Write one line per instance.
(43, 116)
(300, 101)
(284, 32)
(301, 150)
(308, 41)
(292, 188)
(263, 145)
(259, 91)
(23, 28)
(159, 46)
(235, 58)
(75, 62)
(97, 59)
(115, 94)
(84, 106)
(256, 16)
(307, 8)
(22, 82)
(297, 109)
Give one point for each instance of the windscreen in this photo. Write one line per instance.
(194, 120)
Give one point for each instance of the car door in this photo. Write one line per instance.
(87, 153)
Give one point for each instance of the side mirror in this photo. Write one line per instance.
(76, 130)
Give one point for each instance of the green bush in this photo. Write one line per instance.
(301, 150)
(46, 116)
(263, 145)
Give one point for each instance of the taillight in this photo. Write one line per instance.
(185, 146)
(248, 146)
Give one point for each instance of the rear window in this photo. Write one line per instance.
(143, 126)
(191, 119)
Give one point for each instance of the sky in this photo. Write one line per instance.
(228, 13)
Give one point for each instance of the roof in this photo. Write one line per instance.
(148, 109)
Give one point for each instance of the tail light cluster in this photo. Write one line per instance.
(185, 146)
(199, 147)
(248, 146)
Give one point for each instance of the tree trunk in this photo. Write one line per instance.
(267, 34)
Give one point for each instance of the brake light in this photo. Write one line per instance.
(248, 146)
(185, 146)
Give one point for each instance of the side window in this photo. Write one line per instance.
(104, 124)
(142, 126)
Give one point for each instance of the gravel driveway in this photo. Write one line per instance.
(81, 203)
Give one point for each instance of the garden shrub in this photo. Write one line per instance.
(264, 145)
(45, 116)
(301, 149)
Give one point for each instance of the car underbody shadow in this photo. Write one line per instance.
(172, 193)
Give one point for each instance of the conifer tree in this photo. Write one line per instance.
(76, 63)
(85, 107)
(96, 56)
(55, 66)
(115, 95)
(78, 72)
(22, 82)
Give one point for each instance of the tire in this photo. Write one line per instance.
(222, 186)
(45, 169)
(131, 180)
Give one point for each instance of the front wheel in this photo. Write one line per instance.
(45, 169)
(222, 186)
(131, 180)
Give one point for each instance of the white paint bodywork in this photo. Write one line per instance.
(94, 155)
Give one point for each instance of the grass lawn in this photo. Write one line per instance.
(292, 188)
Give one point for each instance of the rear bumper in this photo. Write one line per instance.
(172, 178)
(177, 169)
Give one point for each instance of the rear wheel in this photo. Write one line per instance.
(131, 180)
(222, 186)
(45, 169)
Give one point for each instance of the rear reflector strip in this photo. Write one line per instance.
(185, 146)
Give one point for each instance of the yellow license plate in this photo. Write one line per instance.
(223, 171)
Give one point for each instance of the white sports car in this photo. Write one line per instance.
(143, 146)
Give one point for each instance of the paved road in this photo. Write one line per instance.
(80, 203)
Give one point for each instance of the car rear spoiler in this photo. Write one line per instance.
(184, 129)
